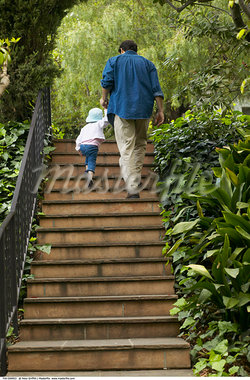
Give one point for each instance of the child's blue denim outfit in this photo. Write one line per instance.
(90, 152)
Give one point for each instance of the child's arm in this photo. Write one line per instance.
(104, 122)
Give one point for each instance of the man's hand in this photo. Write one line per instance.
(159, 118)
(104, 102)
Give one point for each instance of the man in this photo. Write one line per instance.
(133, 85)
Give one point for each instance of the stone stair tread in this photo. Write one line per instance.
(55, 321)
(107, 244)
(101, 165)
(139, 297)
(105, 344)
(105, 373)
(108, 214)
(113, 200)
(69, 140)
(95, 190)
(127, 228)
(100, 279)
(99, 261)
(109, 176)
(99, 154)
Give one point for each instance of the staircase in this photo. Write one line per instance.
(101, 299)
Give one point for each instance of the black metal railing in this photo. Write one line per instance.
(15, 229)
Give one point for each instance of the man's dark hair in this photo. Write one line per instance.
(128, 45)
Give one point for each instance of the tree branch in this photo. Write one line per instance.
(5, 79)
(238, 20)
(212, 6)
(245, 7)
(180, 9)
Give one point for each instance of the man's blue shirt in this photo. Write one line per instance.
(133, 83)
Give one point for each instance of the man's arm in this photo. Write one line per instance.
(104, 99)
(159, 119)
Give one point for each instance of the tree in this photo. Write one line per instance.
(198, 58)
(88, 36)
(237, 7)
(32, 67)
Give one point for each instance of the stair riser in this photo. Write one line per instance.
(77, 170)
(101, 270)
(127, 308)
(102, 288)
(107, 147)
(99, 331)
(104, 221)
(75, 253)
(101, 159)
(99, 236)
(85, 194)
(103, 359)
(94, 208)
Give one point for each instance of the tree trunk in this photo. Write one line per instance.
(5, 80)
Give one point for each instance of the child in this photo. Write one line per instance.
(91, 136)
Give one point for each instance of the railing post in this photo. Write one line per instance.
(3, 363)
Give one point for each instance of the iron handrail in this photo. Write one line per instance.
(16, 227)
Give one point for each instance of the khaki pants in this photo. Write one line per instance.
(131, 138)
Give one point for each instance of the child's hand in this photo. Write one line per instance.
(79, 152)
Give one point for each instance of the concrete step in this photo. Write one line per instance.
(100, 206)
(102, 158)
(99, 328)
(100, 170)
(98, 235)
(103, 250)
(99, 306)
(98, 220)
(136, 353)
(101, 286)
(108, 146)
(100, 268)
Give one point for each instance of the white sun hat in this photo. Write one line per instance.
(94, 115)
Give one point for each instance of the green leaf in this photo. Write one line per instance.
(222, 347)
(174, 311)
(175, 247)
(200, 365)
(46, 248)
(205, 294)
(243, 233)
(219, 365)
(230, 302)
(233, 370)
(244, 298)
(232, 272)
(236, 220)
(200, 269)
(188, 322)
(232, 176)
(241, 33)
(184, 227)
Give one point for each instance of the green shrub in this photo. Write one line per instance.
(13, 138)
(211, 254)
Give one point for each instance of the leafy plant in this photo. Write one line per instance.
(211, 258)
(218, 347)
(220, 237)
(12, 143)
